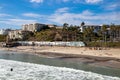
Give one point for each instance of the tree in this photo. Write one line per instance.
(88, 34)
(65, 25)
(46, 35)
(112, 31)
(58, 37)
(115, 32)
(65, 32)
(3, 38)
(45, 27)
(104, 32)
(119, 33)
(82, 24)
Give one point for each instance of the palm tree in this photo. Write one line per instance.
(119, 32)
(104, 31)
(85, 34)
(65, 25)
(65, 31)
(112, 29)
(82, 24)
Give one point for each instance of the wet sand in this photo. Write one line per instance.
(87, 59)
(107, 58)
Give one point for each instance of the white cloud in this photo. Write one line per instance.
(71, 18)
(112, 6)
(87, 16)
(62, 10)
(62, 15)
(4, 15)
(17, 22)
(31, 15)
(36, 1)
(93, 1)
(87, 12)
(79, 1)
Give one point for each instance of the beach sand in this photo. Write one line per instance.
(68, 50)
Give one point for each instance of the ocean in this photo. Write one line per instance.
(30, 71)
(33, 67)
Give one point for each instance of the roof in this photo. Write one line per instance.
(91, 25)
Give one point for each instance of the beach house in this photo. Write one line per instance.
(95, 27)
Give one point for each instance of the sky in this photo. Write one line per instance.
(14, 13)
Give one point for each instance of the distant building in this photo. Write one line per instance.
(95, 27)
(36, 27)
(59, 27)
(18, 34)
(52, 25)
(4, 31)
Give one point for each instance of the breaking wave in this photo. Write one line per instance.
(30, 71)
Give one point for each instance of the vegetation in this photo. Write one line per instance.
(103, 44)
(2, 38)
(45, 35)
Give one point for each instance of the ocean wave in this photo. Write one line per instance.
(30, 71)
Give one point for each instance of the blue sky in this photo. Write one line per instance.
(14, 13)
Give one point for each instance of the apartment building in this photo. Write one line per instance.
(18, 34)
(35, 27)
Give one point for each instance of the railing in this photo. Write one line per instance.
(31, 43)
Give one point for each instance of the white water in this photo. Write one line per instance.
(29, 71)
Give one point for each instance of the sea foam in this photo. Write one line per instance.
(30, 71)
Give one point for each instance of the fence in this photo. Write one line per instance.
(36, 43)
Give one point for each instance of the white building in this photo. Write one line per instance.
(95, 27)
(17, 34)
(51, 25)
(35, 27)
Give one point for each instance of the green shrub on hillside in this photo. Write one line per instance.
(2, 38)
(103, 44)
(45, 35)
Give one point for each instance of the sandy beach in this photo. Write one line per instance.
(115, 53)
(108, 57)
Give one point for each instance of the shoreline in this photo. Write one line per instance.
(90, 59)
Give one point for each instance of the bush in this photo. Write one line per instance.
(103, 44)
(2, 38)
